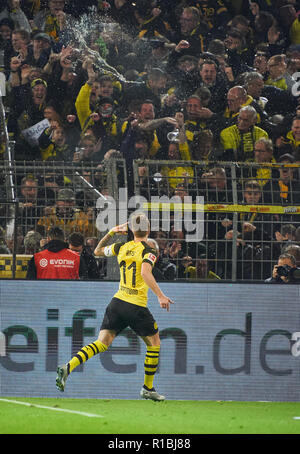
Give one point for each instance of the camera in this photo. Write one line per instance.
(288, 271)
(284, 270)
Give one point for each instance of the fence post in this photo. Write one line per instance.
(15, 247)
(235, 223)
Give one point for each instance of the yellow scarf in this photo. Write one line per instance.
(263, 175)
(279, 83)
(284, 189)
(52, 27)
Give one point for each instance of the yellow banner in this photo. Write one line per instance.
(6, 264)
(217, 207)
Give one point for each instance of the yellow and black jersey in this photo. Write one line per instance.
(153, 27)
(213, 12)
(194, 126)
(243, 143)
(290, 140)
(131, 255)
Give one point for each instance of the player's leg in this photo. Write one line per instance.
(151, 364)
(112, 324)
(151, 359)
(100, 345)
(142, 322)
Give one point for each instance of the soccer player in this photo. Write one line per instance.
(128, 307)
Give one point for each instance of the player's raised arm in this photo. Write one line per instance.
(121, 229)
(149, 279)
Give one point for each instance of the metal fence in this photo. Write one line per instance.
(42, 194)
(226, 221)
(250, 215)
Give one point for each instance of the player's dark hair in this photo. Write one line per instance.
(252, 184)
(56, 233)
(76, 239)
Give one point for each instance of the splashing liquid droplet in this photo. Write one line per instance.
(80, 33)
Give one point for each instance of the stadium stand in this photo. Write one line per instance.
(194, 109)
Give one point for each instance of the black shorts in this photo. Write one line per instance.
(119, 315)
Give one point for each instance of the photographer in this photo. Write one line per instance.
(283, 272)
(164, 269)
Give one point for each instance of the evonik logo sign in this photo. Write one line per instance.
(63, 262)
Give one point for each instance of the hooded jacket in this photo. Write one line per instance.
(56, 261)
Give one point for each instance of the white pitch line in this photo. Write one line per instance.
(296, 417)
(28, 404)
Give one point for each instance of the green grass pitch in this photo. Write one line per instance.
(96, 416)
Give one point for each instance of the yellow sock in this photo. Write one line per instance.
(151, 364)
(86, 353)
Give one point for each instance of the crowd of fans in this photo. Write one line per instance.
(90, 81)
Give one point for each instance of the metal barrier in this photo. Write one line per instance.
(51, 193)
(211, 220)
(250, 214)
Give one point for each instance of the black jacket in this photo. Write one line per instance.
(54, 246)
(91, 265)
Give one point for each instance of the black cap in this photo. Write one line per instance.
(8, 22)
(286, 157)
(43, 36)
